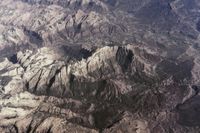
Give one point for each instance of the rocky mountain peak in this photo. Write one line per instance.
(99, 66)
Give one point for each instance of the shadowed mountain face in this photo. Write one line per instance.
(108, 66)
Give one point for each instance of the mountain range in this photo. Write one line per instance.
(99, 66)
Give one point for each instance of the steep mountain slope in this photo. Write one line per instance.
(99, 66)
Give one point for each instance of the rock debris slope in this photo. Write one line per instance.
(107, 66)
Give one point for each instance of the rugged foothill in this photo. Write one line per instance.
(99, 66)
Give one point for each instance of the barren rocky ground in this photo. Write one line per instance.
(99, 66)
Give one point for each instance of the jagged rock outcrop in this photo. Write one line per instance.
(35, 23)
(42, 73)
(129, 66)
(127, 89)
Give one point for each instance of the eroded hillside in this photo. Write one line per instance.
(99, 66)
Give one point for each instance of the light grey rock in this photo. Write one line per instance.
(99, 66)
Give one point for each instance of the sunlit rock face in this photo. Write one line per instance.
(99, 66)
